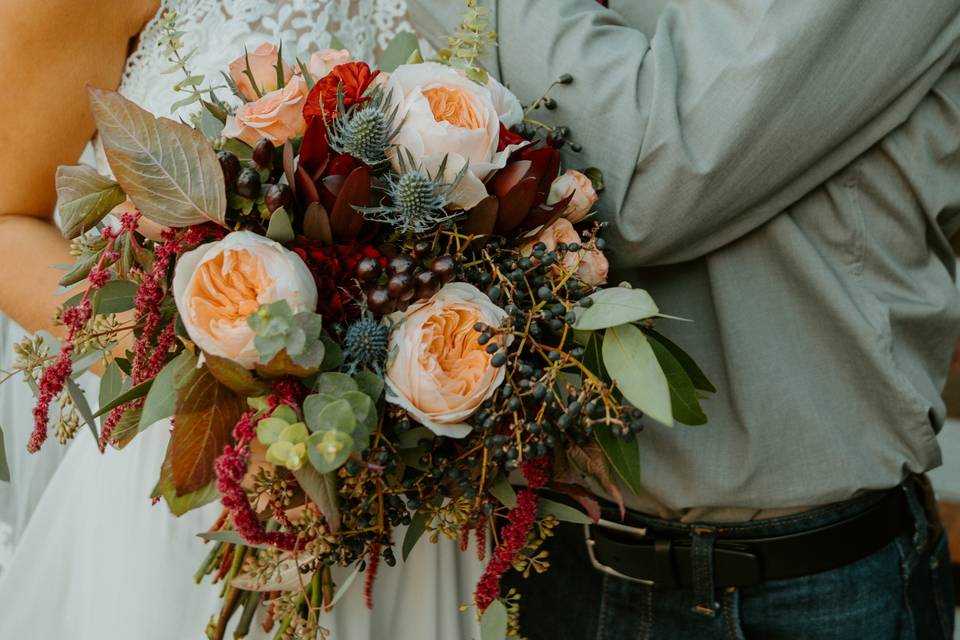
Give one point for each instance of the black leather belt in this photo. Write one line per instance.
(635, 553)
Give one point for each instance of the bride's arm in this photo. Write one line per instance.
(49, 52)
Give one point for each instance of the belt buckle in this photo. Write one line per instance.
(637, 532)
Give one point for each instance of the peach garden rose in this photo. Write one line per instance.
(591, 265)
(218, 284)
(277, 116)
(437, 371)
(573, 183)
(444, 114)
(322, 62)
(263, 66)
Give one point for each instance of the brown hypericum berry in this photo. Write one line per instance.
(400, 286)
(427, 283)
(230, 165)
(263, 153)
(401, 264)
(422, 248)
(379, 301)
(368, 270)
(248, 184)
(444, 267)
(278, 195)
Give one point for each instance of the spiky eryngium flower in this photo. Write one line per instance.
(365, 344)
(415, 201)
(364, 131)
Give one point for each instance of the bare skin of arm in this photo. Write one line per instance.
(49, 52)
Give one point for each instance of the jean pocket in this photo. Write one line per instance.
(941, 583)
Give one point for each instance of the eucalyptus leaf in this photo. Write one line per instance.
(332, 354)
(344, 587)
(229, 537)
(562, 512)
(83, 407)
(81, 269)
(398, 51)
(111, 385)
(337, 416)
(336, 384)
(169, 170)
(84, 197)
(369, 383)
(615, 306)
(418, 524)
(322, 489)
(279, 228)
(312, 406)
(493, 622)
(683, 396)
(4, 467)
(328, 450)
(631, 363)
(210, 124)
(116, 296)
(624, 455)
(503, 491)
(131, 394)
(162, 398)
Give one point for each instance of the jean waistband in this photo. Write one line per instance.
(779, 526)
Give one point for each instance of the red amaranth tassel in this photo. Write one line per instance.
(514, 535)
(373, 563)
(481, 536)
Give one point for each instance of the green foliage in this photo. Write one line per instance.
(493, 622)
(624, 455)
(285, 438)
(278, 329)
(398, 51)
(469, 42)
(279, 228)
(418, 525)
(561, 512)
(631, 363)
(615, 306)
(341, 419)
(4, 467)
(84, 197)
(684, 402)
(173, 50)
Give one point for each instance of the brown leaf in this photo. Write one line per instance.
(591, 462)
(288, 169)
(515, 205)
(482, 218)
(345, 221)
(508, 177)
(281, 365)
(316, 223)
(583, 497)
(305, 186)
(206, 412)
(234, 376)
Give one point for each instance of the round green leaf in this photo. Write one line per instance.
(328, 450)
(615, 306)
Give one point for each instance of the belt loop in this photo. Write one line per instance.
(701, 555)
(921, 529)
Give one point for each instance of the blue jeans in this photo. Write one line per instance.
(904, 591)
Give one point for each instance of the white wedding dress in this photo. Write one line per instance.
(83, 554)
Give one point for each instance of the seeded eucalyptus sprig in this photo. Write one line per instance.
(469, 42)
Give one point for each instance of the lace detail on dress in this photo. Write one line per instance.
(219, 29)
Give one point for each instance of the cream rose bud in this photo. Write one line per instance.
(277, 116)
(263, 66)
(437, 371)
(218, 284)
(442, 113)
(575, 184)
(591, 265)
(322, 62)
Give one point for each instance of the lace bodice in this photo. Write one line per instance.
(219, 29)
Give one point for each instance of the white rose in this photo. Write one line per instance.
(218, 284)
(444, 114)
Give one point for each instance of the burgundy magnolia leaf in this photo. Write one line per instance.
(305, 187)
(314, 150)
(508, 177)
(515, 205)
(206, 412)
(545, 215)
(591, 462)
(316, 223)
(345, 221)
(482, 219)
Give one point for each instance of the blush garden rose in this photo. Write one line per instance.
(575, 184)
(277, 116)
(437, 370)
(263, 66)
(218, 284)
(443, 114)
(591, 265)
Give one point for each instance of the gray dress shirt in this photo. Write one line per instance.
(786, 173)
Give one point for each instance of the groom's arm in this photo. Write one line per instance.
(731, 111)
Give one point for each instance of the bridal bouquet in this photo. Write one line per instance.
(363, 298)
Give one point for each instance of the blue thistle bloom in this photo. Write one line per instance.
(364, 131)
(365, 344)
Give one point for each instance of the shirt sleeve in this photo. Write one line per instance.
(730, 111)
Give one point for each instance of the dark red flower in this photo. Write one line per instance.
(354, 78)
(508, 137)
(333, 269)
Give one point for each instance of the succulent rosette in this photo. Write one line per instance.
(368, 298)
